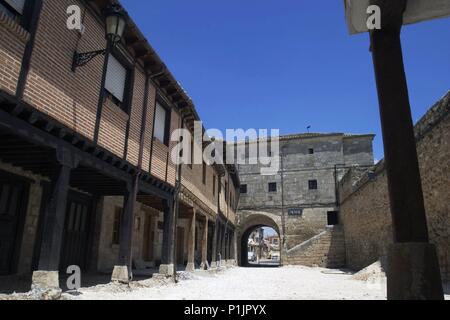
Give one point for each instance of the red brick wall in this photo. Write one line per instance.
(136, 117)
(159, 159)
(193, 180)
(171, 170)
(51, 86)
(12, 45)
(149, 128)
(72, 98)
(113, 125)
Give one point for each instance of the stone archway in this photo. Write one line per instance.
(249, 221)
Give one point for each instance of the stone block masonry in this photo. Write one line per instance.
(326, 250)
(365, 208)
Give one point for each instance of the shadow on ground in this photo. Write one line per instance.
(22, 284)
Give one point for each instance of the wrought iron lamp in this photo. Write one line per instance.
(115, 24)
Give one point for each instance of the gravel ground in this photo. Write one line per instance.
(287, 283)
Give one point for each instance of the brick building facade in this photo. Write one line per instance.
(86, 176)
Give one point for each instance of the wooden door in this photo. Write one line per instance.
(13, 200)
(76, 231)
(149, 236)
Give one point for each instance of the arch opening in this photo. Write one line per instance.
(260, 247)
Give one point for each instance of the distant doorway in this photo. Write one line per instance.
(260, 247)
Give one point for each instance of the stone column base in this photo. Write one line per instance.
(190, 267)
(120, 275)
(166, 269)
(45, 285)
(213, 264)
(413, 272)
(204, 265)
(231, 262)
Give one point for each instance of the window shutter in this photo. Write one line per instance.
(116, 75)
(160, 123)
(18, 5)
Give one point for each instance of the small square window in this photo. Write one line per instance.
(272, 187)
(311, 151)
(312, 184)
(333, 218)
(244, 188)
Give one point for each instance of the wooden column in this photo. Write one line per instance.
(413, 270)
(167, 255)
(235, 248)
(214, 244)
(191, 242)
(231, 237)
(205, 263)
(224, 242)
(54, 218)
(219, 242)
(127, 226)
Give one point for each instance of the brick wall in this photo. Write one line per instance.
(72, 97)
(134, 135)
(151, 105)
(365, 204)
(193, 180)
(113, 126)
(159, 159)
(12, 45)
(52, 87)
(171, 167)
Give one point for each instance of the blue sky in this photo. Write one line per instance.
(286, 64)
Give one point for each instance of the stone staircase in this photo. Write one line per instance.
(326, 250)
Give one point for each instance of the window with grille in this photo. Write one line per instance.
(312, 185)
(272, 187)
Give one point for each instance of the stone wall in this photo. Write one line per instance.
(305, 157)
(365, 211)
(108, 252)
(326, 250)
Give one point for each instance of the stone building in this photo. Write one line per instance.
(86, 176)
(365, 207)
(300, 201)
